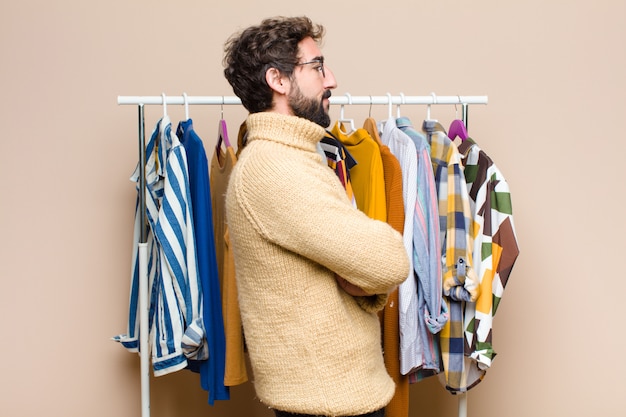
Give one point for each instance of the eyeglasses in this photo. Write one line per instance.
(319, 68)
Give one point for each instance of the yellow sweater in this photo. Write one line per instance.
(314, 349)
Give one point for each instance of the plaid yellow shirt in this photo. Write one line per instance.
(460, 282)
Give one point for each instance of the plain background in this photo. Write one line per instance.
(554, 72)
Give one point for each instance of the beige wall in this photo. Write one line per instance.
(554, 74)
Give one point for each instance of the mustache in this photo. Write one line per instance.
(327, 94)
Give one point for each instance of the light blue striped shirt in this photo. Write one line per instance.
(432, 309)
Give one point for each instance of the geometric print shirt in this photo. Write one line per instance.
(495, 251)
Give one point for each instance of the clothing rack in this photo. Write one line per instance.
(163, 100)
(345, 99)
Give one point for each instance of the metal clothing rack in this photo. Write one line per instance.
(345, 99)
(163, 100)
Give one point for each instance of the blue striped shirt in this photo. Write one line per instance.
(176, 331)
(432, 309)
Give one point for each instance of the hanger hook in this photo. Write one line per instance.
(164, 104)
(389, 102)
(371, 102)
(463, 112)
(349, 97)
(222, 108)
(341, 113)
(350, 120)
(186, 106)
(402, 101)
(428, 107)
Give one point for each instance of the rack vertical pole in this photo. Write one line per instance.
(463, 404)
(462, 410)
(144, 343)
(464, 114)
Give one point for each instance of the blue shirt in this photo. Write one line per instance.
(212, 369)
(432, 309)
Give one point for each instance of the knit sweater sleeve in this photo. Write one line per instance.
(373, 303)
(314, 218)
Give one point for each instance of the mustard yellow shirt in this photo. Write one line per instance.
(368, 179)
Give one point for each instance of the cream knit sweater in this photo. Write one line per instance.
(314, 348)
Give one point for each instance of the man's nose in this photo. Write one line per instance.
(329, 81)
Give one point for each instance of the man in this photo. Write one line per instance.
(312, 270)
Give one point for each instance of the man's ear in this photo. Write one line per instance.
(276, 80)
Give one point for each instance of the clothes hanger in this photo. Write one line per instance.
(371, 127)
(398, 115)
(342, 118)
(457, 127)
(428, 119)
(222, 131)
(164, 105)
(430, 125)
(186, 106)
(381, 124)
(185, 124)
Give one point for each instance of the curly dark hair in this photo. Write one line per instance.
(272, 44)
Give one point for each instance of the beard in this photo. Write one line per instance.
(309, 108)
